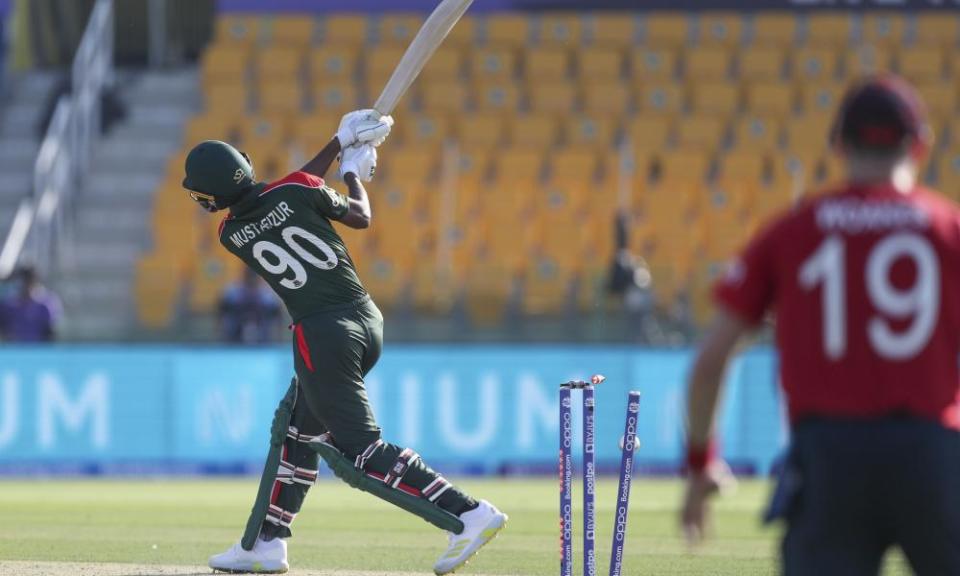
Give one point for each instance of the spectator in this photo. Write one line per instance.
(30, 312)
(249, 312)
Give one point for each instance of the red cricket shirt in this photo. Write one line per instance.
(865, 285)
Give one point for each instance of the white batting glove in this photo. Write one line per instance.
(363, 127)
(361, 160)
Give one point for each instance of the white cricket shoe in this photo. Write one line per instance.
(267, 557)
(480, 526)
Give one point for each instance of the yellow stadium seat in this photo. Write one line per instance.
(591, 130)
(820, 99)
(224, 64)
(707, 64)
(829, 29)
(497, 96)
(474, 163)
(464, 33)
(721, 28)
(447, 96)
(665, 29)
(284, 98)
(600, 64)
(520, 162)
(546, 64)
(332, 64)
(661, 98)
(716, 98)
(809, 133)
(157, 287)
(386, 279)
(948, 174)
(614, 29)
(445, 65)
(701, 132)
(649, 134)
(883, 28)
(382, 60)
(335, 97)
(546, 289)
(761, 63)
(278, 63)
(559, 199)
(494, 62)
(865, 60)
(552, 97)
(769, 98)
(398, 28)
(683, 166)
(814, 63)
(294, 30)
(233, 98)
(542, 130)
(482, 129)
(560, 29)
(653, 64)
(940, 98)
(210, 275)
(574, 163)
(236, 29)
(345, 30)
(504, 29)
(937, 28)
(774, 29)
(209, 127)
(921, 64)
(271, 158)
(411, 164)
(757, 133)
(612, 97)
(431, 290)
(427, 129)
(743, 165)
(795, 171)
(489, 287)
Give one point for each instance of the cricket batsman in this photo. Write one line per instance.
(283, 231)
(864, 282)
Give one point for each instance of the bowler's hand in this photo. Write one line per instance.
(701, 486)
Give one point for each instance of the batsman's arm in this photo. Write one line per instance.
(358, 216)
(322, 161)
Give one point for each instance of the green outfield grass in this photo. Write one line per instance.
(177, 522)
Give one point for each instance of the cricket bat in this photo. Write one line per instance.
(424, 44)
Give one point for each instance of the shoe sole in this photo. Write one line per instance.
(486, 536)
(255, 569)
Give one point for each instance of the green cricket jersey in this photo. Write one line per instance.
(283, 231)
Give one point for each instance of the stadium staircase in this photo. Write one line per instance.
(114, 206)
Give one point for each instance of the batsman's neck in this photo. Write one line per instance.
(899, 172)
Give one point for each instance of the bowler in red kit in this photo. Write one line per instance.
(863, 282)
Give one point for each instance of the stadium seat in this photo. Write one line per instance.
(600, 64)
(546, 288)
(820, 98)
(614, 29)
(921, 64)
(683, 167)
(743, 165)
(649, 134)
(336, 98)
(490, 285)
(224, 64)
(883, 29)
(291, 30)
(538, 130)
(701, 132)
(665, 29)
(777, 29)
(210, 127)
(864, 60)
(506, 29)
(769, 99)
(546, 64)
(156, 287)
(385, 278)
(591, 130)
(522, 163)
(610, 97)
(940, 98)
(707, 64)
(433, 128)
(474, 163)
(720, 29)
(653, 64)
(494, 62)
(560, 30)
(343, 29)
(410, 164)
(829, 29)
(793, 173)
(279, 97)
(482, 129)
(574, 163)
(327, 64)
(936, 28)
(281, 63)
(552, 97)
(234, 29)
(761, 63)
(715, 98)
(446, 65)
(264, 130)
(814, 64)
(448, 96)
(948, 174)
(757, 133)
(664, 99)
(398, 28)
(464, 34)
(210, 274)
(381, 61)
(499, 96)
(431, 290)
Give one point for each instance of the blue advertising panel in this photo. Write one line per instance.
(482, 409)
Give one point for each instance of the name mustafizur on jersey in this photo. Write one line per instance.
(274, 219)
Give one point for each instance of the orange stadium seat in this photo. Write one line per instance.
(235, 29)
(382, 59)
(546, 288)
(865, 60)
(156, 286)
(940, 98)
(398, 28)
(560, 29)
(482, 129)
(210, 274)
(334, 97)
(823, 99)
(770, 98)
(494, 62)
(937, 28)
(279, 63)
(497, 96)
(490, 286)
(464, 33)
(542, 130)
(611, 97)
(474, 163)
(520, 163)
(574, 163)
(614, 29)
(293, 30)
(665, 29)
(653, 63)
(701, 133)
(209, 127)
(552, 97)
(829, 29)
(761, 63)
(446, 64)
(662, 98)
(232, 98)
(683, 166)
(345, 30)
(720, 29)
(757, 133)
(546, 64)
(224, 64)
(948, 174)
(504, 29)
(921, 64)
(591, 130)
(445, 96)
(809, 133)
(774, 29)
(707, 64)
(285, 98)
(600, 64)
(333, 63)
(649, 134)
(742, 165)
(716, 98)
(815, 63)
(883, 29)
(433, 128)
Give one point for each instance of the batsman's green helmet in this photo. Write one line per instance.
(217, 174)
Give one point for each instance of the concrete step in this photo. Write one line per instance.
(107, 325)
(34, 86)
(116, 219)
(116, 289)
(103, 255)
(22, 120)
(15, 185)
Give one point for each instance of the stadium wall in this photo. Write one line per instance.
(471, 410)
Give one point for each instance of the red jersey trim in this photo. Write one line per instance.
(223, 222)
(299, 178)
